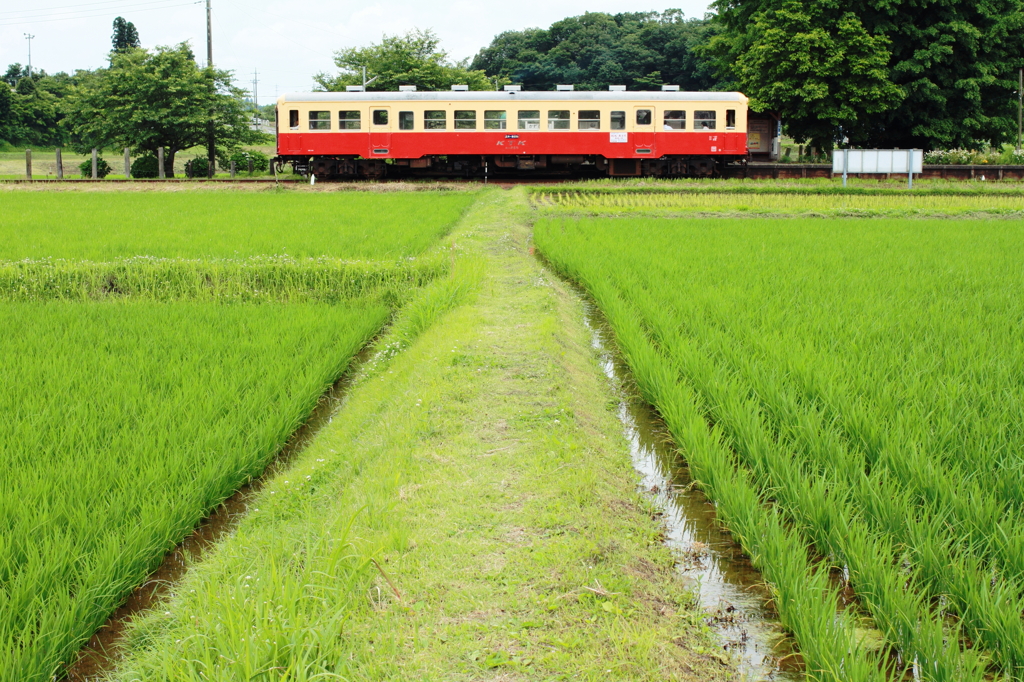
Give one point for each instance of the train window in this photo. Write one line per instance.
(350, 120)
(618, 120)
(380, 117)
(495, 120)
(590, 120)
(406, 120)
(558, 120)
(293, 119)
(704, 120)
(435, 120)
(675, 120)
(529, 120)
(643, 117)
(465, 120)
(730, 119)
(319, 120)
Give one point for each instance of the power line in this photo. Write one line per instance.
(48, 12)
(94, 16)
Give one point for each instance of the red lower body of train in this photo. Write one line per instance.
(471, 153)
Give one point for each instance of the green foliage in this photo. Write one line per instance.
(16, 72)
(157, 99)
(103, 168)
(32, 113)
(199, 167)
(241, 157)
(873, 429)
(824, 203)
(818, 67)
(214, 224)
(883, 74)
(186, 402)
(641, 50)
(146, 166)
(411, 59)
(6, 103)
(125, 37)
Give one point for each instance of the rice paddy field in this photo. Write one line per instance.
(158, 350)
(851, 203)
(842, 374)
(100, 226)
(849, 392)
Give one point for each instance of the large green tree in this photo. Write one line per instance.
(6, 102)
(31, 112)
(125, 36)
(411, 59)
(641, 50)
(885, 73)
(147, 100)
(815, 64)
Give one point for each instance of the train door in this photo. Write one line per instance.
(643, 129)
(380, 131)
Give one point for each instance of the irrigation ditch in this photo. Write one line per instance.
(729, 589)
(101, 653)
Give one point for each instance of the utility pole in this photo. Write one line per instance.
(29, 37)
(1020, 104)
(211, 143)
(256, 94)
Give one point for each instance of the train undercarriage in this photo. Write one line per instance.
(508, 166)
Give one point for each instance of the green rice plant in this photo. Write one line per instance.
(248, 280)
(842, 203)
(873, 404)
(102, 226)
(830, 644)
(125, 423)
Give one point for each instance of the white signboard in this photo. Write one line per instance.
(618, 137)
(877, 160)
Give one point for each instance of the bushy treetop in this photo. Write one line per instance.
(411, 59)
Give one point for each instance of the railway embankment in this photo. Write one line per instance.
(470, 512)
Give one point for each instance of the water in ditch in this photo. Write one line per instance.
(729, 589)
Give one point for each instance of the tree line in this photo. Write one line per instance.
(935, 74)
(144, 100)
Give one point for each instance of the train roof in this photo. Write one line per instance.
(513, 96)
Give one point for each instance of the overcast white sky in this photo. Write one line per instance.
(287, 41)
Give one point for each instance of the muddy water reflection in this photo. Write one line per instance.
(730, 590)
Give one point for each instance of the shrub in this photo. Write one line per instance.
(260, 161)
(198, 167)
(103, 168)
(146, 167)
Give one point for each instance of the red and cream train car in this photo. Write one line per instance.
(614, 133)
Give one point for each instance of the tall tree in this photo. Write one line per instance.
(411, 59)
(815, 64)
(157, 99)
(6, 102)
(819, 63)
(641, 50)
(125, 37)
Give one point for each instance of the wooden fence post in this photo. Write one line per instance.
(160, 161)
(250, 165)
(95, 174)
(60, 164)
(232, 168)
(127, 164)
(28, 164)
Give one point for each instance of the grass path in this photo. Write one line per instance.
(482, 467)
